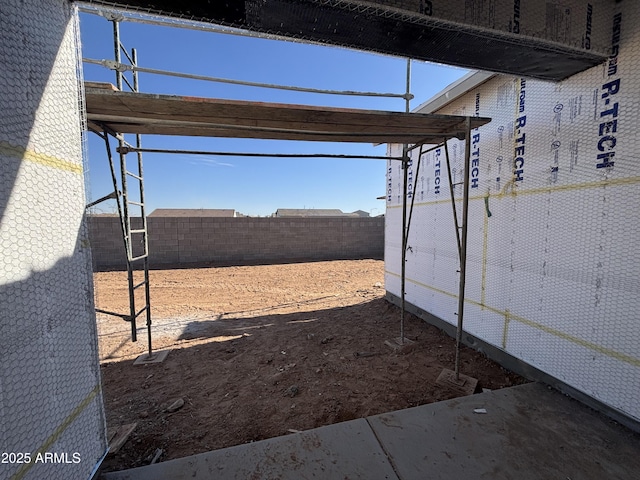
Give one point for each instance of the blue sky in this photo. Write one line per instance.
(255, 186)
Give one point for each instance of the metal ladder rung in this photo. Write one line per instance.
(140, 284)
(142, 230)
(139, 258)
(131, 174)
(139, 204)
(141, 310)
(126, 318)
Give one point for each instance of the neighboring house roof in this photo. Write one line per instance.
(193, 212)
(312, 212)
(361, 213)
(458, 88)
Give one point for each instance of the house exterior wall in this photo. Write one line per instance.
(553, 272)
(50, 394)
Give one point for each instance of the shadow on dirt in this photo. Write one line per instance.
(253, 376)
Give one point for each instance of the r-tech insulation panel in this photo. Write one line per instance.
(549, 39)
(553, 272)
(52, 422)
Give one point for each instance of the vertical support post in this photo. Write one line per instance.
(405, 166)
(143, 214)
(116, 51)
(128, 240)
(403, 267)
(407, 98)
(125, 209)
(463, 246)
(134, 61)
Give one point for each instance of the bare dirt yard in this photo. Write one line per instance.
(263, 351)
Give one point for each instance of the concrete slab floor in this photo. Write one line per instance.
(343, 450)
(527, 432)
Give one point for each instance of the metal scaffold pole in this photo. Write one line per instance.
(116, 51)
(463, 243)
(405, 167)
(143, 215)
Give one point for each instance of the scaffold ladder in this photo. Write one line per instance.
(136, 238)
(134, 229)
(128, 200)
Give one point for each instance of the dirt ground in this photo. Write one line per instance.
(263, 351)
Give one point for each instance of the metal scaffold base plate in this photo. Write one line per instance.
(464, 385)
(400, 345)
(156, 357)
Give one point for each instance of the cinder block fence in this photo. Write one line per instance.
(245, 240)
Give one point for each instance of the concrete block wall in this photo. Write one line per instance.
(185, 240)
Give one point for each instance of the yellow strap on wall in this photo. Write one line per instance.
(57, 432)
(22, 153)
(510, 317)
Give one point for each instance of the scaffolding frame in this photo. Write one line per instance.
(124, 148)
(461, 231)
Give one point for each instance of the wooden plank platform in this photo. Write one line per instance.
(128, 112)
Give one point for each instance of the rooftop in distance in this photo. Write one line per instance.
(318, 212)
(229, 213)
(193, 212)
